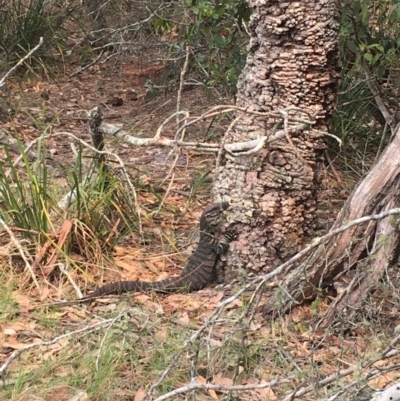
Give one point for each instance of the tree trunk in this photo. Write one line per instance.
(292, 61)
(344, 257)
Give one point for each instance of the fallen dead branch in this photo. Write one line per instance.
(345, 254)
(387, 353)
(200, 386)
(291, 124)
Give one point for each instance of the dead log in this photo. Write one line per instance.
(359, 255)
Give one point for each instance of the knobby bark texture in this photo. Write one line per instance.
(292, 61)
(360, 255)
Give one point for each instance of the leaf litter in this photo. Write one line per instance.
(280, 348)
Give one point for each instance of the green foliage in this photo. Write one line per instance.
(219, 28)
(352, 120)
(214, 31)
(369, 41)
(99, 205)
(22, 23)
(370, 34)
(101, 202)
(25, 197)
(200, 181)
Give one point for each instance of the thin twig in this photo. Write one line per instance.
(381, 143)
(166, 121)
(208, 386)
(23, 256)
(169, 185)
(374, 88)
(345, 372)
(224, 139)
(319, 240)
(181, 84)
(3, 80)
(64, 271)
(85, 67)
(234, 149)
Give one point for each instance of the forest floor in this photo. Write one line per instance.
(117, 348)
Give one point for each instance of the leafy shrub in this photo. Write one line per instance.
(370, 34)
(215, 34)
(217, 29)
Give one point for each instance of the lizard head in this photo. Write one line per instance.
(210, 217)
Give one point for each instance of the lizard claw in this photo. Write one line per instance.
(231, 234)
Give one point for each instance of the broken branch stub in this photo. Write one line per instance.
(94, 119)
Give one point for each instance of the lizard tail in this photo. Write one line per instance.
(168, 285)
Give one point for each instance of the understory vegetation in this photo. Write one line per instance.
(73, 216)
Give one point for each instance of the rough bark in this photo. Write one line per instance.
(292, 61)
(360, 255)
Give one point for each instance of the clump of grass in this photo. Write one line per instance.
(100, 211)
(100, 201)
(26, 200)
(22, 23)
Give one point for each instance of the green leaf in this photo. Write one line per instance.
(376, 58)
(368, 57)
(364, 10)
(220, 11)
(352, 46)
(219, 40)
(380, 71)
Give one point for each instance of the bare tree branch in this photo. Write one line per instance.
(292, 125)
(208, 386)
(373, 86)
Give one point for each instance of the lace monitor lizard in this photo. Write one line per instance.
(200, 269)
